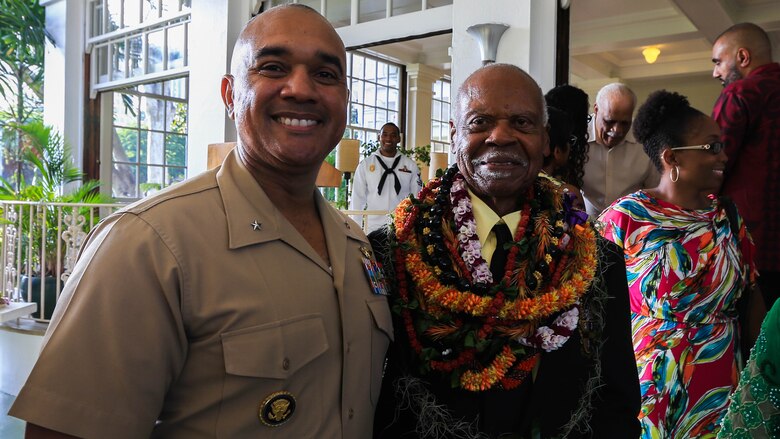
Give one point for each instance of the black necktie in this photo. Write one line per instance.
(498, 261)
(387, 172)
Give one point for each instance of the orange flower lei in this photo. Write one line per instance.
(570, 279)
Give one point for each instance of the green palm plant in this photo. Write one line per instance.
(47, 153)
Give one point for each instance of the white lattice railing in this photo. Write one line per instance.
(40, 243)
(45, 238)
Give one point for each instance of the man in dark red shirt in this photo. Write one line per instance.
(748, 112)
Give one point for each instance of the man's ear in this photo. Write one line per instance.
(743, 57)
(452, 136)
(227, 95)
(595, 107)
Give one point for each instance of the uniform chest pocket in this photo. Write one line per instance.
(274, 350)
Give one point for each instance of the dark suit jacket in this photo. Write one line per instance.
(582, 390)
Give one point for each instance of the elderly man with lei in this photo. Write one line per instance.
(511, 313)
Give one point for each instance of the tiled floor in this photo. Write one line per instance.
(10, 428)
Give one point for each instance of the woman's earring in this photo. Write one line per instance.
(676, 172)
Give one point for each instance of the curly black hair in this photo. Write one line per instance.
(662, 122)
(574, 102)
(560, 132)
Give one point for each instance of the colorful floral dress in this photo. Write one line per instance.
(685, 273)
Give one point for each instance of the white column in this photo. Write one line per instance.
(214, 29)
(63, 94)
(529, 42)
(420, 79)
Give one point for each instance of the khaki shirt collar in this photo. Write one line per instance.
(246, 202)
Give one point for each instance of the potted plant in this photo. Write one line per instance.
(39, 240)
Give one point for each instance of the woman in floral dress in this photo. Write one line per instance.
(687, 269)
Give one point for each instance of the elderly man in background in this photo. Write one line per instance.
(235, 304)
(616, 166)
(512, 314)
(748, 112)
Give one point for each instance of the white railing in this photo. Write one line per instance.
(40, 243)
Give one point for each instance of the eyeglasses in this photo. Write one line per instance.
(713, 148)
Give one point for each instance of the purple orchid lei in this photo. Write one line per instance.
(548, 338)
(469, 247)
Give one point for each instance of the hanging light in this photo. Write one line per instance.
(651, 54)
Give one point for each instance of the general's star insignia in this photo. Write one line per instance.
(256, 225)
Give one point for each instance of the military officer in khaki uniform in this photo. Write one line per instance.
(239, 303)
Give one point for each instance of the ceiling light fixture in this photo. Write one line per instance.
(651, 54)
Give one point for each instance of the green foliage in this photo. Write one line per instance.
(45, 150)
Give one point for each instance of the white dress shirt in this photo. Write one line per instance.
(611, 173)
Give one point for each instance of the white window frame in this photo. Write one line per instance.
(439, 143)
(358, 130)
(107, 161)
(100, 44)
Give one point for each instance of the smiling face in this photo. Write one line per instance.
(724, 58)
(614, 114)
(288, 91)
(498, 135)
(700, 169)
(388, 140)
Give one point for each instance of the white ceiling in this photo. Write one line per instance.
(608, 36)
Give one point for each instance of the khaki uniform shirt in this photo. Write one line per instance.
(611, 173)
(187, 311)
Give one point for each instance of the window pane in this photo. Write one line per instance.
(125, 145)
(176, 116)
(392, 99)
(445, 91)
(381, 73)
(381, 118)
(187, 4)
(175, 150)
(174, 175)
(156, 47)
(176, 47)
(357, 115)
(125, 110)
(150, 10)
(97, 18)
(155, 151)
(169, 7)
(381, 96)
(371, 10)
(176, 88)
(370, 69)
(357, 66)
(131, 10)
(436, 110)
(393, 76)
(337, 12)
(152, 174)
(392, 116)
(369, 117)
(136, 46)
(356, 92)
(114, 14)
(401, 7)
(118, 61)
(370, 97)
(124, 181)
